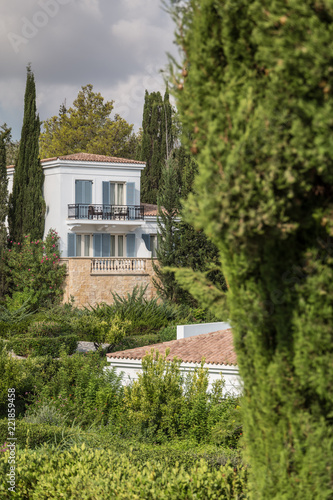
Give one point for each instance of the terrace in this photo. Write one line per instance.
(105, 212)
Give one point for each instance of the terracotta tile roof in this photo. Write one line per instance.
(92, 157)
(217, 348)
(150, 209)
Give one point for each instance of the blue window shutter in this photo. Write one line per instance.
(130, 245)
(83, 192)
(130, 193)
(87, 192)
(78, 191)
(146, 239)
(71, 240)
(106, 245)
(97, 243)
(106, 193)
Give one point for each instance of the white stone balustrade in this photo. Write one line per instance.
(118, 265)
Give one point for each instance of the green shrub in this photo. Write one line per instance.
(92, 328)
(34, 435)
(47, 328)
(163, 403)
(49, 473)
(167, 333)
(81, 389)
(34, 272)
(146, 315)
(43, 346)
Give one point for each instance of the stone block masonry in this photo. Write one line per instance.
(89, 287)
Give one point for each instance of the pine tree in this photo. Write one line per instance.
(157, 142)
(256, 94)
(26, 203)
(87, 127)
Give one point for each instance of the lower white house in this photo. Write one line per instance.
(215, 344)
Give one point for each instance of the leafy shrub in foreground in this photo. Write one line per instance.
(48, 473)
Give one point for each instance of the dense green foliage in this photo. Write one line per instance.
(3, 209)
(3, 192)
(33, 271)
(12, 147)
(157, 143)
(256, 93)
(43, 346)
(182, 249)
(26, 203)
(48, 473)
(87, 127)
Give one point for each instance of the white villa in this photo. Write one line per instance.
(107, 237)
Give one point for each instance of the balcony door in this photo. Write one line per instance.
(83, 197)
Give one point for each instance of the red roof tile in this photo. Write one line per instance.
(150, 209)
(217, 348)
(92, 157)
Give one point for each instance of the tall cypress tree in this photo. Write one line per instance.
(26, 204)
(258, 98)
(3, 190)
(157, 142)
(3, 206)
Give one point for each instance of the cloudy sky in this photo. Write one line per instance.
(119, 46)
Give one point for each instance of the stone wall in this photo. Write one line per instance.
(90, 288)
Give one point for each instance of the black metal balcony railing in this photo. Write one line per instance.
(105, 212)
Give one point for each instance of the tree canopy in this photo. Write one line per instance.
(87, 127)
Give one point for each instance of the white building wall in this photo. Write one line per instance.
(59, 192)
(130, 368)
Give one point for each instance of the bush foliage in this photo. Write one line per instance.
(48, 473)
(256, 100)
(33, 271)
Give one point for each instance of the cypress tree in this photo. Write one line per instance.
(157, 142)
(168, 236)
(27, 206)
(256, 94)
(3, 190)
(3, 207)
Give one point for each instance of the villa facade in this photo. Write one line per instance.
(107, 236)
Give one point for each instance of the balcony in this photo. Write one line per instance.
(118, 265)
(105, 212)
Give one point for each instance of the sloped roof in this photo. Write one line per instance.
(217, 348)
(89, 157)
(150, 209)
(92, 157)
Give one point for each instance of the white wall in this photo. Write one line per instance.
(184, 331)
(131, 367)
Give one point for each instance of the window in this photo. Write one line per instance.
(117, 245)
(79, 245)
(117, 190)
(83, 245)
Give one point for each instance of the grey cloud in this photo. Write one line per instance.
(118, 46)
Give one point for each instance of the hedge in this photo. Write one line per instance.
(43, 346)
(34, 435)
(79, 473)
